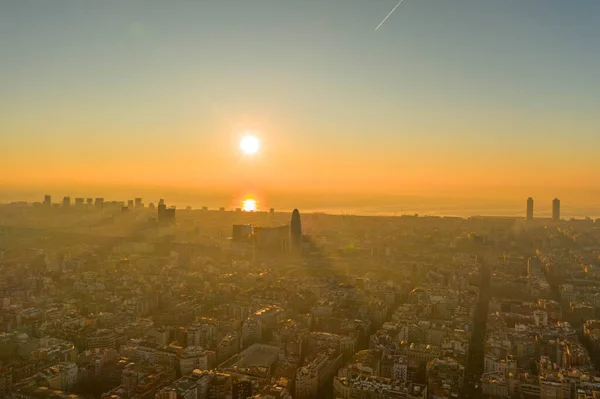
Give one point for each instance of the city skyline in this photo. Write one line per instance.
(137, 203)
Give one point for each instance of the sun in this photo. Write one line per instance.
(249, 205)
(249, 145)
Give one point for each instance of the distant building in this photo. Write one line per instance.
(138, 203)
(162, 210)
(170, 215)
(272, 238)
(529, 208)
(66, 202)
(99, 203)
(241, 232)
(296, 231)
(164, 214)
(130, 204)
(222, 209)
(89, 201)
(555, 209)
(79, 202)
(47, 200)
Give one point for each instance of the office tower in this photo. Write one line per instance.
(274, 239)
(99, 203)
(130, 204)
(529, 208)
(162, 210)
(170, 214)
(66, 202)
(79, 202)
(555, 209)
(295, 231)
(138, 203)
(89, 201)
(47, 200)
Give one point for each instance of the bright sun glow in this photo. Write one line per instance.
(250, 145)
(249, 205)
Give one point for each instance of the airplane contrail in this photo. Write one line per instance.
(387, 16)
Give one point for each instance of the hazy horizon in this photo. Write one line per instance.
(360, 204)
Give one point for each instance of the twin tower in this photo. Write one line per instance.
(555, 209)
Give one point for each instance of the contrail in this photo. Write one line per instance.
(387, 16)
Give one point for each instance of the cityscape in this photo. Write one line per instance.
(122, 300)
(318, 199)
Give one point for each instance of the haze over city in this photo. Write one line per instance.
(299, 199)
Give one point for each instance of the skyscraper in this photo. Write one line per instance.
(99, 203)
(162, 210)
(529, 208)
(555, 209)
(47, 200)
(296, 231)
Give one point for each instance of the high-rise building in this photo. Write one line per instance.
(170, 214)
(99, 203)
(89, 201)
(162, 210)
(138, 203)
(272, 238)
(296, 231)
(47, 200)
(529, 208)
(79, 202)
(130, 204)
(66, 202)
(555, 209)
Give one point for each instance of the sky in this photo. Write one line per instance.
(462, 98)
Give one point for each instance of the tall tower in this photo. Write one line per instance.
(529, 208)
(555, 209)
(296, 231)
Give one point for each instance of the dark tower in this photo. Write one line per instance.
(555, 209)
(529, 208)
(296, 231)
